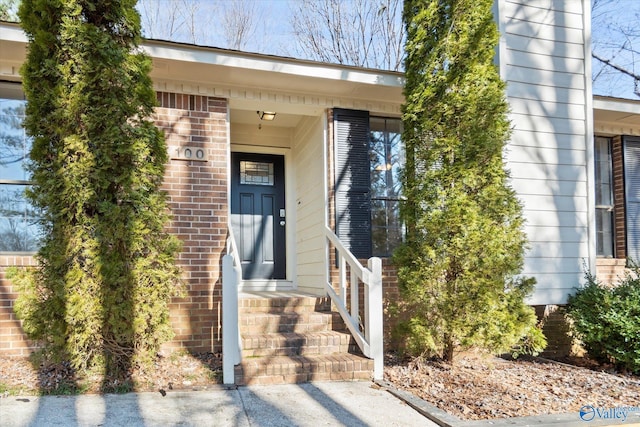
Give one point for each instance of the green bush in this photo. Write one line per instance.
(607, 320)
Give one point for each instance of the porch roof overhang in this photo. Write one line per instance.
(262, 80)
(616, 116)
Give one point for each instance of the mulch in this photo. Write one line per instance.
(481, 387)
(179, 371)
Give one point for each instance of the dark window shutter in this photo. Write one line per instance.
(632, 196)
(352, 180)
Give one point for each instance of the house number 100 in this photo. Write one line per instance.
(189, 153)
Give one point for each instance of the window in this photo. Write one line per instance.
(256, 173)
(18, 221)
(604, 198)
(369, 155)
(386, 157)
(632, 196)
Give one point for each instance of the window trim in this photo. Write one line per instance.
(605, 207)
(15, 88)
(385, 199)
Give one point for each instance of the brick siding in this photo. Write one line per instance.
(609, 271)
(13, 341)
(197, 199)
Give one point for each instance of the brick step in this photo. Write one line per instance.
(297, 369)
(261, 323)
(295, 344)
(283, 305)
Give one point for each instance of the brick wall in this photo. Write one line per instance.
(557, 330)
(609, 271)
(13, 341)
(198, 202)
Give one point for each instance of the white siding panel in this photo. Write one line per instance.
(572, 6)
(554, 204)
(551, 265)
(556, 234)
(309, 178)
(550, 188)
(527, 43)
(550, 14)
(546, 109)
(555, 250)
(539, 139)
(548, 124)
(547, 156)
(550, 77)
(544, 32)
(535, 92)
(559, 219)
(553, 288)
(548, 172)
(544, 62)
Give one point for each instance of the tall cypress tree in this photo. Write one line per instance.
(465, 241)
(107, 270)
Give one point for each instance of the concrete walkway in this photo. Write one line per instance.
(312, 404)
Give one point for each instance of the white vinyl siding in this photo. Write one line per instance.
(542, 59)
(308, 159)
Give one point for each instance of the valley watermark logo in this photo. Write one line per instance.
(589, 412)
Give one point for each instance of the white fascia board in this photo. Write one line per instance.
(12, 32)
(249, 61)
(235, 59)
(616, 104)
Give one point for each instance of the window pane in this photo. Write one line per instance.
(256, 173)
(603, 172)
(14, 146)
(604, 197)
(386, 228)
(386, 154)
(19, 231)
(604, 232)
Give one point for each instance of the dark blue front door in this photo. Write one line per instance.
(258, 214)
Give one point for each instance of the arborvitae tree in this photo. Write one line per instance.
(465, 241)
(107, 271)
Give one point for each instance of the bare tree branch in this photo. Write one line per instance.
(613, 65)
(366, 33)
(239, 22)
(615, 39)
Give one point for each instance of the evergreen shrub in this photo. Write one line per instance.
(607, 320)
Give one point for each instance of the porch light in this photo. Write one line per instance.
(266, 115)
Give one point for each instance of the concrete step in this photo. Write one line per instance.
(295, 344)
(261, 323)
(297, 369)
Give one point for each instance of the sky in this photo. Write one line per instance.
(273, 34)
(614, 24)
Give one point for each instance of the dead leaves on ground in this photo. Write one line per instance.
(478, 387)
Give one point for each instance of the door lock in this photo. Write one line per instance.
(282, 223)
